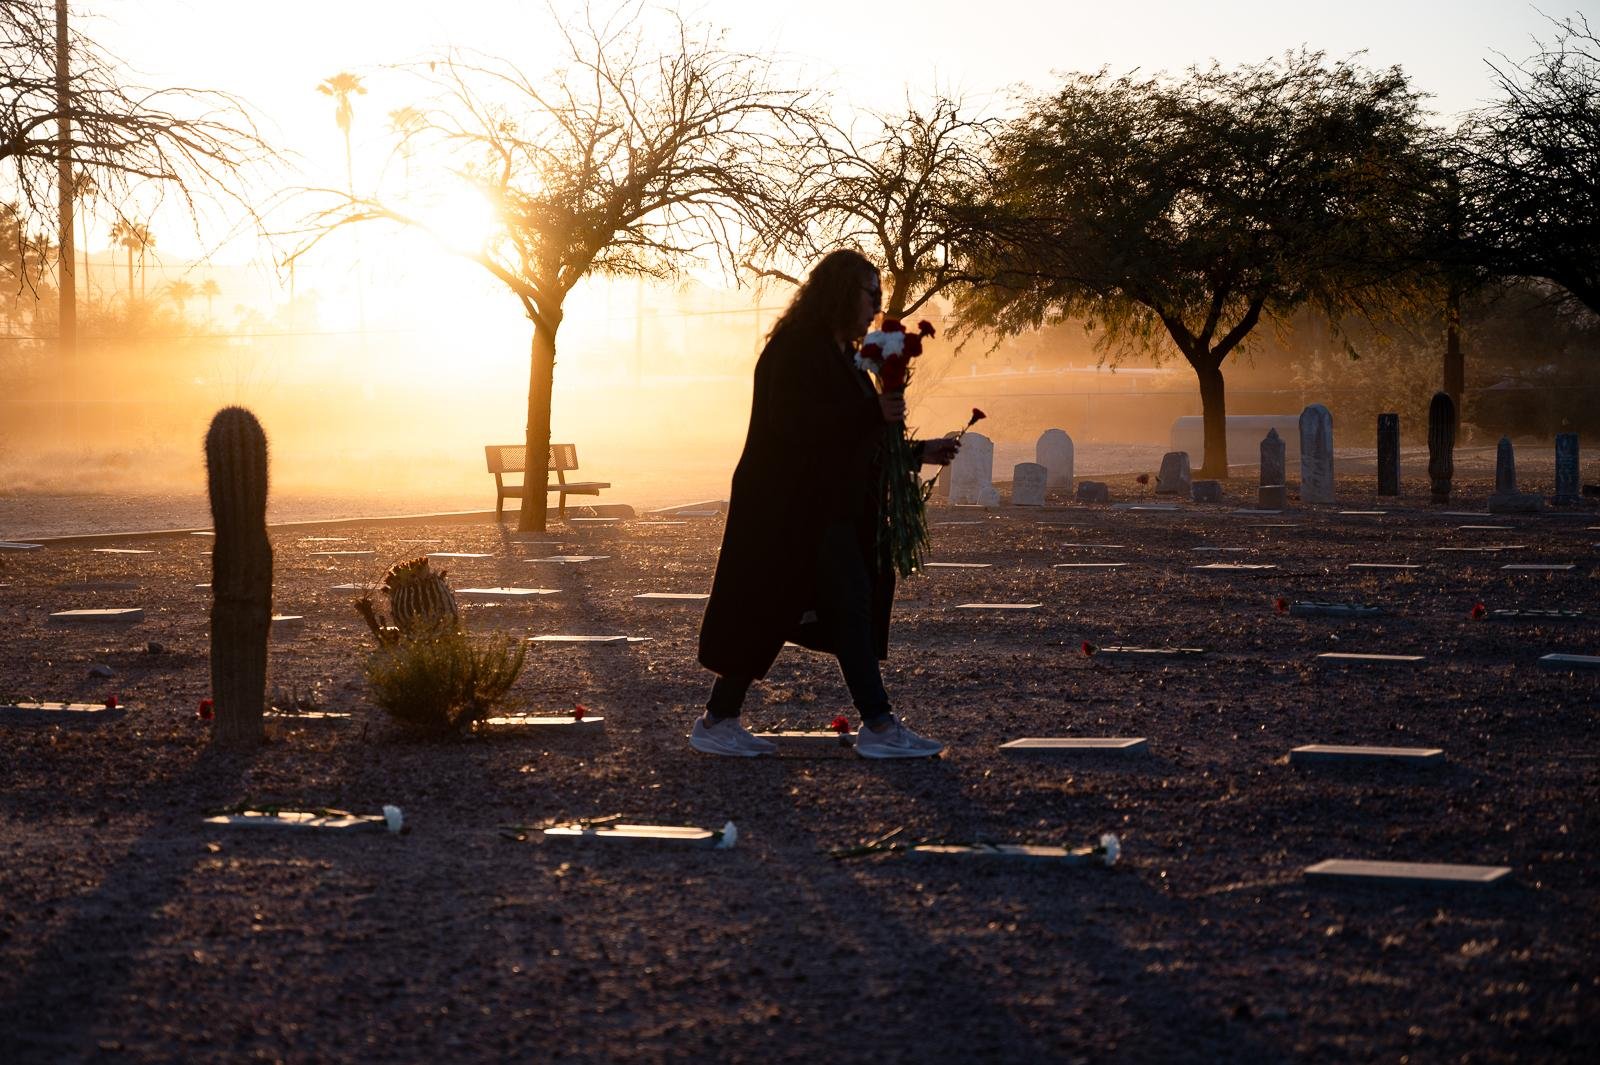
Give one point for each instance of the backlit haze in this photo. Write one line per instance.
(395, 362)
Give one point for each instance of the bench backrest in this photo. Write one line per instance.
(512, 458)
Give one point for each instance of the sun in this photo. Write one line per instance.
(460, 217)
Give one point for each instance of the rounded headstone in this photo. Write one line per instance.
(1054, 453)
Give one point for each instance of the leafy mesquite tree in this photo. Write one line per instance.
(1187, 211)
(630, 161)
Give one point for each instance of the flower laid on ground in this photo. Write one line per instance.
(1143, 478)
(1110, 848)
(1089, 649)
(1281, 604)
(727, 837)
(206, 710)
(903, 534)
(393, 818)
(578, 711)
(1479, 612)
(111, 701)
(840, 724)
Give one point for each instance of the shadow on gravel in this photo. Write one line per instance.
(82, 968)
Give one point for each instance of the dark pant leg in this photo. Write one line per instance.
(727, 697)
(844, 609)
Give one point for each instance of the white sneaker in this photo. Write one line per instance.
(896, 741)
(728, 737)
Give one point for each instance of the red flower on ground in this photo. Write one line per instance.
(1143, 478)
(206, 710)
(1282, 604)
(1089, 649)
(840, 724)
(111, 701)
(578, 710)
(1479, 612)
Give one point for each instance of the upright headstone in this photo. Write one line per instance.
(1388, 454)
(1027, 484)
(1316, 454)
(1175, 478)
(1441, 445)
(1093, 492)
(972, 473)
(1271, 494)
(1506, 498)
(1566, 469)
(1207, 492)
(1054, 453)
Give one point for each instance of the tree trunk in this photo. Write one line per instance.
(541, 381)
(1455, 364)
(1214, 408)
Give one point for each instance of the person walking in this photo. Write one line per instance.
(797, 560)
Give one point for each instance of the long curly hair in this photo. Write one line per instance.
(827, 297)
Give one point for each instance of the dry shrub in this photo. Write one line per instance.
(441, 681)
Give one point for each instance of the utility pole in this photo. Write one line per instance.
(66, 266)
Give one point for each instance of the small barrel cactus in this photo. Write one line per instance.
(1441, 444)
(241, 574)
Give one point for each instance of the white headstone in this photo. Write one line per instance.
(1316, 454)
(972, 472)
(1054, 453)
(1175, 478)
(1027, 484)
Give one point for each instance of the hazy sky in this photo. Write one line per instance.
(865, 52)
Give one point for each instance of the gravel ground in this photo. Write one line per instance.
(131, 931)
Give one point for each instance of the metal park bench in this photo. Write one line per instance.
(512, 458)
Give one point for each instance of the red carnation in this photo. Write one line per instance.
(1282, 604)
(925, 329)
(1143, 478)
(895, 373)
(578, 711)
(892, 325)
(206, 710)
(977, 416)
(1089, 649)
(871, 351)
(1479, 612)
(111, 701)
(913, 345)
(840, 724)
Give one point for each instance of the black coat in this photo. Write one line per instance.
(810, 460)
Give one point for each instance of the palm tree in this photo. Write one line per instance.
(404, 122)
(341, 87)
(209, 289)
(182, 292)
(132, 236)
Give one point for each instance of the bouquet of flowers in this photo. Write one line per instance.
(903, 532)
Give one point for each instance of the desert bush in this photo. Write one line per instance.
(443, 680)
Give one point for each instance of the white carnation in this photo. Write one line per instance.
(888, 343)
(392, 817)
(730, 836)
(1112, 848)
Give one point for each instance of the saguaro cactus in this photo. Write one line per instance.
(241, 573)
(1441, 444)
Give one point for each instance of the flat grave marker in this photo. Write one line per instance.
(60, 713)
(1565, 661)
(957, 565)
(964, 521)
(101, 616)
(593, 523)
(344, 554)
(1308, 609)
(998, 606)
(1540, 567)
(303, 820)
(1091, 565)
(503, 593)
(1419, 874)
(1104, 547)
(672, 598)
(459, 554)
(1485, 549)
(123, 550)
(1346, 658)
(1485, 528)
(1151, 508)
(1385, 565)
(565, 724)
(1021, 853)
(1465, 514)
(1120, 651)
(13, 545)
(336, 587)
(1534, 614)
(1235, 567)
(324, 539)
(666, 836)
(1259, 512)
(1273, 525)
(592, 640)
(570, 560)
(1337, 754)
(306, 717)
(1068, 746)
(1362, 513)
(287, 621)
(818, 742)
(1221, 550)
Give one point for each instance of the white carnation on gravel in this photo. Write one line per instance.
(1112, 847)
(730, 836)
(393, 817)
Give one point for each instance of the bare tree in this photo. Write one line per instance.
(628, 162)
(900, 194)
